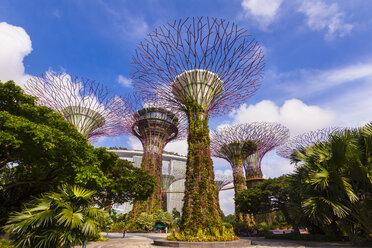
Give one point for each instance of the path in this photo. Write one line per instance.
(145, 240)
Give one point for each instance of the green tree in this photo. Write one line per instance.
(145, 221)
(39, 151)
(270, 196)
(163, 217)
(124, 182)
(57, 219)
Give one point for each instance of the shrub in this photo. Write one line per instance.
(227, 225)
(203, 235)
(6, 243)
(117, 227)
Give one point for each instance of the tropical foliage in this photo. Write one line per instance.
(40, 151)
(335, 179)
(147, 222)
(56, 219)
(330, 192)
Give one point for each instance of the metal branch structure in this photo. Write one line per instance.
(268, 135)
(222, 180)
(167, 180)
(305, 139)
(155, 127)
(93, 109)
(203, 67)
(234, 144)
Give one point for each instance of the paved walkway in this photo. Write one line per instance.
(145, 240)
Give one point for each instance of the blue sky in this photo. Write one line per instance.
(318, 55)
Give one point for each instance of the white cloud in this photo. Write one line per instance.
(227, 203)
(15, 44)
(264, 12)
(294, 114)
(321, 16)
(273, 166)
(305, 83)
(179, 146)
(129, 25)
(134, 143)
(354, 107)
(126, 82)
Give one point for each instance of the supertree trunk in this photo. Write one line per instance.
(201, 208)
(151, 163)
(239, 186)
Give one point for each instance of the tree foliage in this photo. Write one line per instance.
(335, 179)
(57, 219)
(39, 151)
(330, 191)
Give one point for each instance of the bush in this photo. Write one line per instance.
(203, 235)
(4, 243)
(145, 222)
(117, 227)
(227, 225)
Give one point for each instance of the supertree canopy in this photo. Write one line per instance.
(203, 66)
(234, 144)
(268, 135)
(91, 108)
(304, 140)
(168, 179)
(222, 180)
(154, 127)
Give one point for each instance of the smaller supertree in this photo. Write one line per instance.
(168, 179)
(155, 127)
(233, 144)
(268, 135)
(222, 180)
(305, 139)
(93, 109)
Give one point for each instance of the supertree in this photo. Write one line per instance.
(268, 135)
(234, 144)
(155, 127)
(93, 109)
(304, 140)
(204, 67)
(222, 180)
(168, 179)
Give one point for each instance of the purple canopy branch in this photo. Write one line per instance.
(93, 109)
(304, 140)
(203, 67)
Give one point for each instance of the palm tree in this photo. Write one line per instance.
(57, 219)
(336, 181)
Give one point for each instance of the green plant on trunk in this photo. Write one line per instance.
(201, 207)
(154, 127)
(201, 67)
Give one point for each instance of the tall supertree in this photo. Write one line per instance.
(155, 127)
(268, 135)
(304, 140)
(93, 109)
(234, 144)
(204, 67)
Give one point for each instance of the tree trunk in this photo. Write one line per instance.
(201, 208)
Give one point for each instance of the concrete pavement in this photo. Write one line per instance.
(145, 240)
